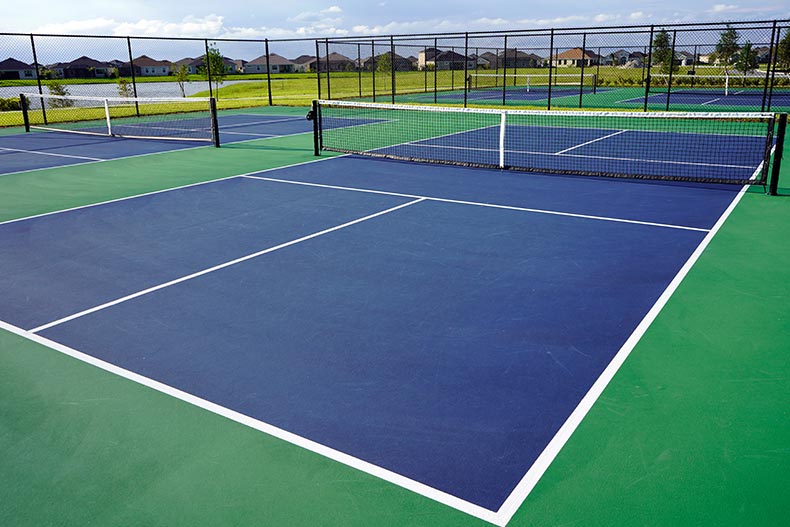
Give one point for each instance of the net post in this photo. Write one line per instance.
(316, 129)
(649, 67)
(773, 184)
(581, 80)
(466, 68)
(134, 79)
(212, 104)
(317, 69)
(38, 78)
(551, 62)
(268, 72)
(671, 67)
(25, 116)
(502, 125)
(392, 67)
(107, 115)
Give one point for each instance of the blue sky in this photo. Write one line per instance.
(199, 18)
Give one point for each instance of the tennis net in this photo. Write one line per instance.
(754, 85)
(185, 119)
(534, 82)
(699, 147)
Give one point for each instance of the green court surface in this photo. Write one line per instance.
(693, 430)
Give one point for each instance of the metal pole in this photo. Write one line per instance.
(771, 51)
(435, 73)
(373, 66)
(208, 71)
(328, 82)
(359, 68)
(671, 66)
(581, 83)
(649, 66)
(316, 145)
(318, 67)
(214, 125)
(777, 164)
(268, 72)
(504, 73)
(134, 78)
(38, 78)
(551, 53)
(466, 68)
(392, 66)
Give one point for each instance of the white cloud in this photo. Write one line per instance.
(721, 8)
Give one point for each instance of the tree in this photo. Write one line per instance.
(214, 70)
(746, 59)
(662, 52)
(125, 88)
(181, 74)
(56, 87)
(384, 63)
(783, 52)
(727, 47)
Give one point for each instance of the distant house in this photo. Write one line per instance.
(277, 63)
(426, 58)
(615, 58)
(513, 58)
(398, 63)
(684, 58)
(480, 62)
(575, 57)
(241, 65)
(413, 61)
(11, 68)
(86, 68)
(196, 65)
(145, 66)
(763, 54)
(304, 63)
(490, 58)
(335, 62)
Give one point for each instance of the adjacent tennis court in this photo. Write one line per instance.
(405, 339)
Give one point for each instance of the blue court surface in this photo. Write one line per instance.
(706, 98)
(41, 149)
(441, 323)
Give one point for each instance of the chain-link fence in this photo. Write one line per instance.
(239, 73)
(740, 66)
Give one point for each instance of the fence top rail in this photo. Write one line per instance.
(642, 28)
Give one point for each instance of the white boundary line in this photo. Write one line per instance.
(325, 451)
(148, 154)
(590, 142)
(533, 475)
(478, 204)
(6, 149)
(135, 196)
(222, 266)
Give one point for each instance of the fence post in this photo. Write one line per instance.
(134, 78)
(328, 82)
(318, 68)
(392, 67)
(551, 61)
(581, 83)
(373, 65)
(671, 66)
(435, 72)
(504, 73)
(359, 68)
(649, 66)
(268, 72)
(208, 71)
(466, 67)
(771, 57)
(38, 78)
